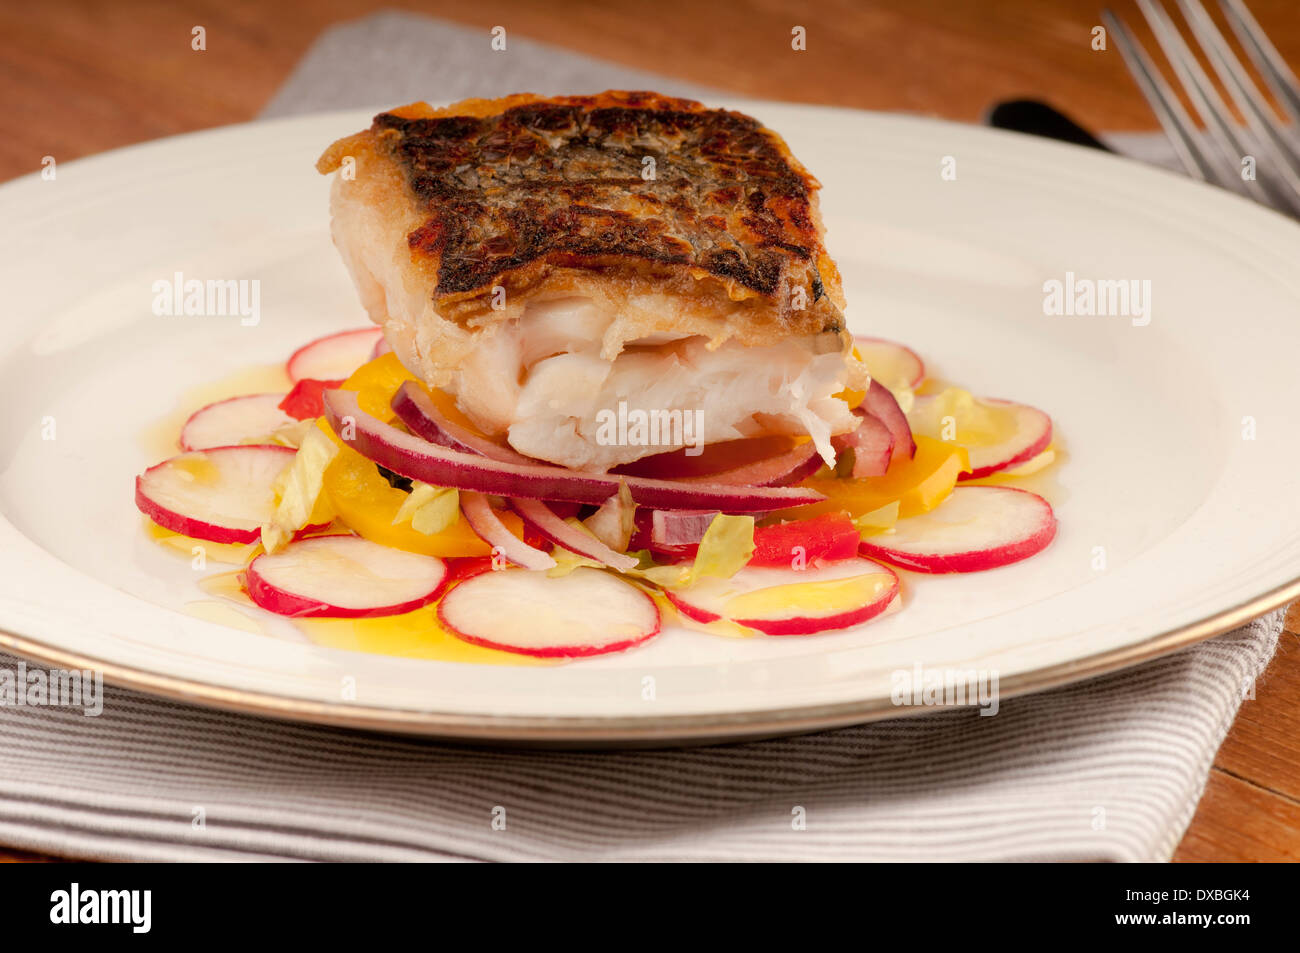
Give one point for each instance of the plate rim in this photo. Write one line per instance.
(658, 730)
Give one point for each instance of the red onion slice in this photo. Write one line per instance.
(785, 468)
(543, 519)
(496, 534)
(418, 459)
(872, 445)
(679, 527)
(417, 410)
(880, 403)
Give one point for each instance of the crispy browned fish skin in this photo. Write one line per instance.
(534, 194)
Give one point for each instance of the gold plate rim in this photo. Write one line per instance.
(641, 731)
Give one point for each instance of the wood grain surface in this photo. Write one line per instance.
(81, 76)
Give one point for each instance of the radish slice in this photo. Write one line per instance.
(478, 511)
(882, 405)
(892, 364)
(976, 528)
(1033, 434)
(872, 445)
(416, 409)
(228, 422)
(409, 456)
(792, 602)
(543, 519)
(223, 494)
(1025, 433)
(381, 347)
(344, 577)
(587, 612)
(333, 357)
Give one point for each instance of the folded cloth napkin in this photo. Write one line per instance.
(1108, 769)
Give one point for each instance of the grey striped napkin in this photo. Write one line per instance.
(1109, 769)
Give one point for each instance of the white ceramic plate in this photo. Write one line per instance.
(1197, 524)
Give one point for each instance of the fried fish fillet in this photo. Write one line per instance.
(545, 259)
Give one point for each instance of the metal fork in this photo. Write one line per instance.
(1220, 157)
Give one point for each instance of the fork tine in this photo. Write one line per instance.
(1205, 98)
(1267, 59)
(1272, 141)
(1169, 111)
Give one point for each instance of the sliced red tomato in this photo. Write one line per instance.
(304, 401)
(824, 538)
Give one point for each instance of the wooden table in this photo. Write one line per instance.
(81, 77)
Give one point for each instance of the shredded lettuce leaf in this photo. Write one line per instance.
(615, 521)
(289, 435)
(429, 509)
(727, 545)
(566, 560)
(298, 488)
(878, 520)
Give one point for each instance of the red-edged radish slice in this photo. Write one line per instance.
(381, 347)
(586, 612)
(344, 577)
(484, 521)
(223, 494)
(1022, 434)
(872, 444)
(417, 459)
(792, 602)
(547, 522)
(415, 408)
(1033, 434)
(228, 422)
(976, 528)
(882, 405)
(892, 364)
(333, 357)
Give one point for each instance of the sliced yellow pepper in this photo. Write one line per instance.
(376, 382)
(368, 504)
